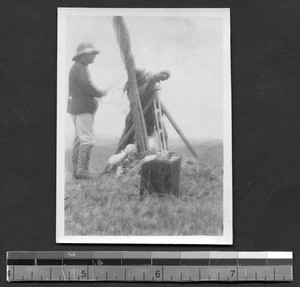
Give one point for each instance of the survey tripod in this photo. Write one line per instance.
(160, 111)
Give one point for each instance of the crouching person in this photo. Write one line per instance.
(148, 87)
(82, 105)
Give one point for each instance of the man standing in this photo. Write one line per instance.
(82, 105)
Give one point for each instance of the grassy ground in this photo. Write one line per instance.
(110, 205)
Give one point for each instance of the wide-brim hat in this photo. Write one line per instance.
(84, 49)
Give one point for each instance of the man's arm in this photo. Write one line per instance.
(161, 76)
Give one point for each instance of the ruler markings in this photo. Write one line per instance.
(63, 273)
(175, 273)
(93, 275)
(217, 267)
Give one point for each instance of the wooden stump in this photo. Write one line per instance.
(161, 176)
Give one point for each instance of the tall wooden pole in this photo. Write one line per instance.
(123, 40)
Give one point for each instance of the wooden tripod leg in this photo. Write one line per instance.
(159, 125)
(176, 127)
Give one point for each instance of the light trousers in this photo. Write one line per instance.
(84, 132)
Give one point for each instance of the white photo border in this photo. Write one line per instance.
(227, 237)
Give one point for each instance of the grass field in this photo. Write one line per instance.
(110, 205)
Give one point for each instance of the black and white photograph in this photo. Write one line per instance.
(144, 152)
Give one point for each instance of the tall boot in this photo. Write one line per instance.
(83, 162)
(75, 154)
(75, 168)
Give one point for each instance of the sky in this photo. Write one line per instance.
(190, 47)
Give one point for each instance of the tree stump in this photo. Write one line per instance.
(161, 176)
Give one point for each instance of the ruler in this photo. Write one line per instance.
(194, 266)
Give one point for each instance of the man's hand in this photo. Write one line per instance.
(166, 74)
(161, 76)
(104, 92)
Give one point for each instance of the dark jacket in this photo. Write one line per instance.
(82, 92)
(147, 88)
